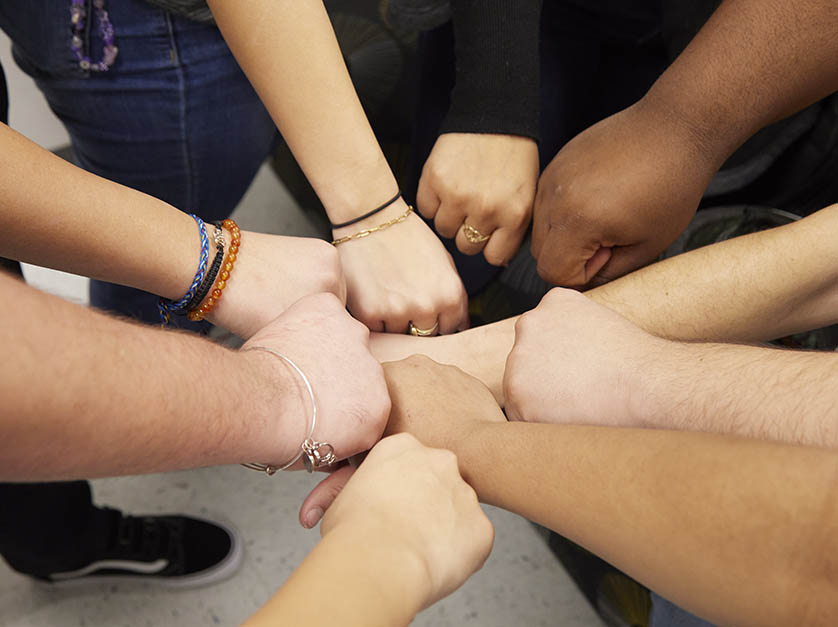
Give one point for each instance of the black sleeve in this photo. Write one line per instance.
(497, 75)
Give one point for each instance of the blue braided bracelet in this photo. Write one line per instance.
(165, 306)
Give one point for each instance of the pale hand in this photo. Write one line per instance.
(331, 348)
(271, 273)
(412, 498)
(486, 181)
(577, 362)
(616, 196)
(400, 275)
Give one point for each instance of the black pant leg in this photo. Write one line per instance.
(51, 527)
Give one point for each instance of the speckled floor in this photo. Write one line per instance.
(521, 584)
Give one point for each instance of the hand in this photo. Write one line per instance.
(616, 196)
(413, 498)
(577, 362)
(271, 273)
(483, 180)
(400, 275)
(440, 405)
(332, 350)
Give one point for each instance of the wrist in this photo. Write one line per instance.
(278, 410)
(658, 387)
(681, 120)
(388, 563)
(391, 212)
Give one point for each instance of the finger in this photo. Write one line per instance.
(473, 236)
(427, 201)
(455, 317)
(540, 224)
(426, 323)
(503, 246)
(622, 260)
(564, 256)
(448, 220)
(397, 322)
(323, 495)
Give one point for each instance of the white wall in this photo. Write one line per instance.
(28, 110)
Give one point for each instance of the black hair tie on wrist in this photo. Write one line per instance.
(369, 214)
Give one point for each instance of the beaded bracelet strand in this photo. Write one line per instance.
(201, 312)
(166, 306)
(78, 13)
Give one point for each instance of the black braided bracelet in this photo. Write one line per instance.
(209, 279)
(369, 214)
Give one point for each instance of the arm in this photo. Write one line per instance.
(289, 52)
(87, 395)
(622, 191)
(405, 532)
(737, 531)
(483, 168)
(59, 216)
(752, 288)
(597, 368)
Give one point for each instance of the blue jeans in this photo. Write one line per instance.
(174, 117)
(666, 614)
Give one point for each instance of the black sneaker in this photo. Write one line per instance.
(170, 551)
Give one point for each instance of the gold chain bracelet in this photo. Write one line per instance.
(375, 229)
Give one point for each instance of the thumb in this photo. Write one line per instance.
(622, 260)
(323, 495)
(568, 256)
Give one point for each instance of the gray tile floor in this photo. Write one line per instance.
(521, 584)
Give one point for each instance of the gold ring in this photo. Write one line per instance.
(412, 330)
(473, 235)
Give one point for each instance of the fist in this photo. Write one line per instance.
(577, 362)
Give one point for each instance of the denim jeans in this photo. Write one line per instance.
(174, 117)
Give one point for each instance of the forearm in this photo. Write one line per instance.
(86, 395)
(752, 288)
(765, 393)
(289, 52)
(737, 531)
(753, 63)
(351, 576)
(60, 216)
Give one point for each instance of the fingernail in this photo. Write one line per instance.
(312, 517)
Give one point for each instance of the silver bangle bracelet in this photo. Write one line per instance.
(315, 454)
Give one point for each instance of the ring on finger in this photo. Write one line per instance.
(416, 331)
(473, 235)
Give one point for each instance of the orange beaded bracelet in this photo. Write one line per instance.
(201, 312)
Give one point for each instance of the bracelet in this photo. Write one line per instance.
(375, 229)
(368, 214)
(317, 454)
(209, 279)
(166, 306)
(196, 315)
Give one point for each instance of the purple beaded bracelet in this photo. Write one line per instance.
(78, 13)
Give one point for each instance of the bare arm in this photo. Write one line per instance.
(87, 395)
(289, 52)
(737, 531)
(753, 63)
(752, 288)
(59, 216)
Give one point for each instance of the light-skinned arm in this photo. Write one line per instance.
(88, 395)
(751, 288)
(59, 216)
(736, 531)
(405, 532)
(595, 367)
(620, 192)
(289, 52)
